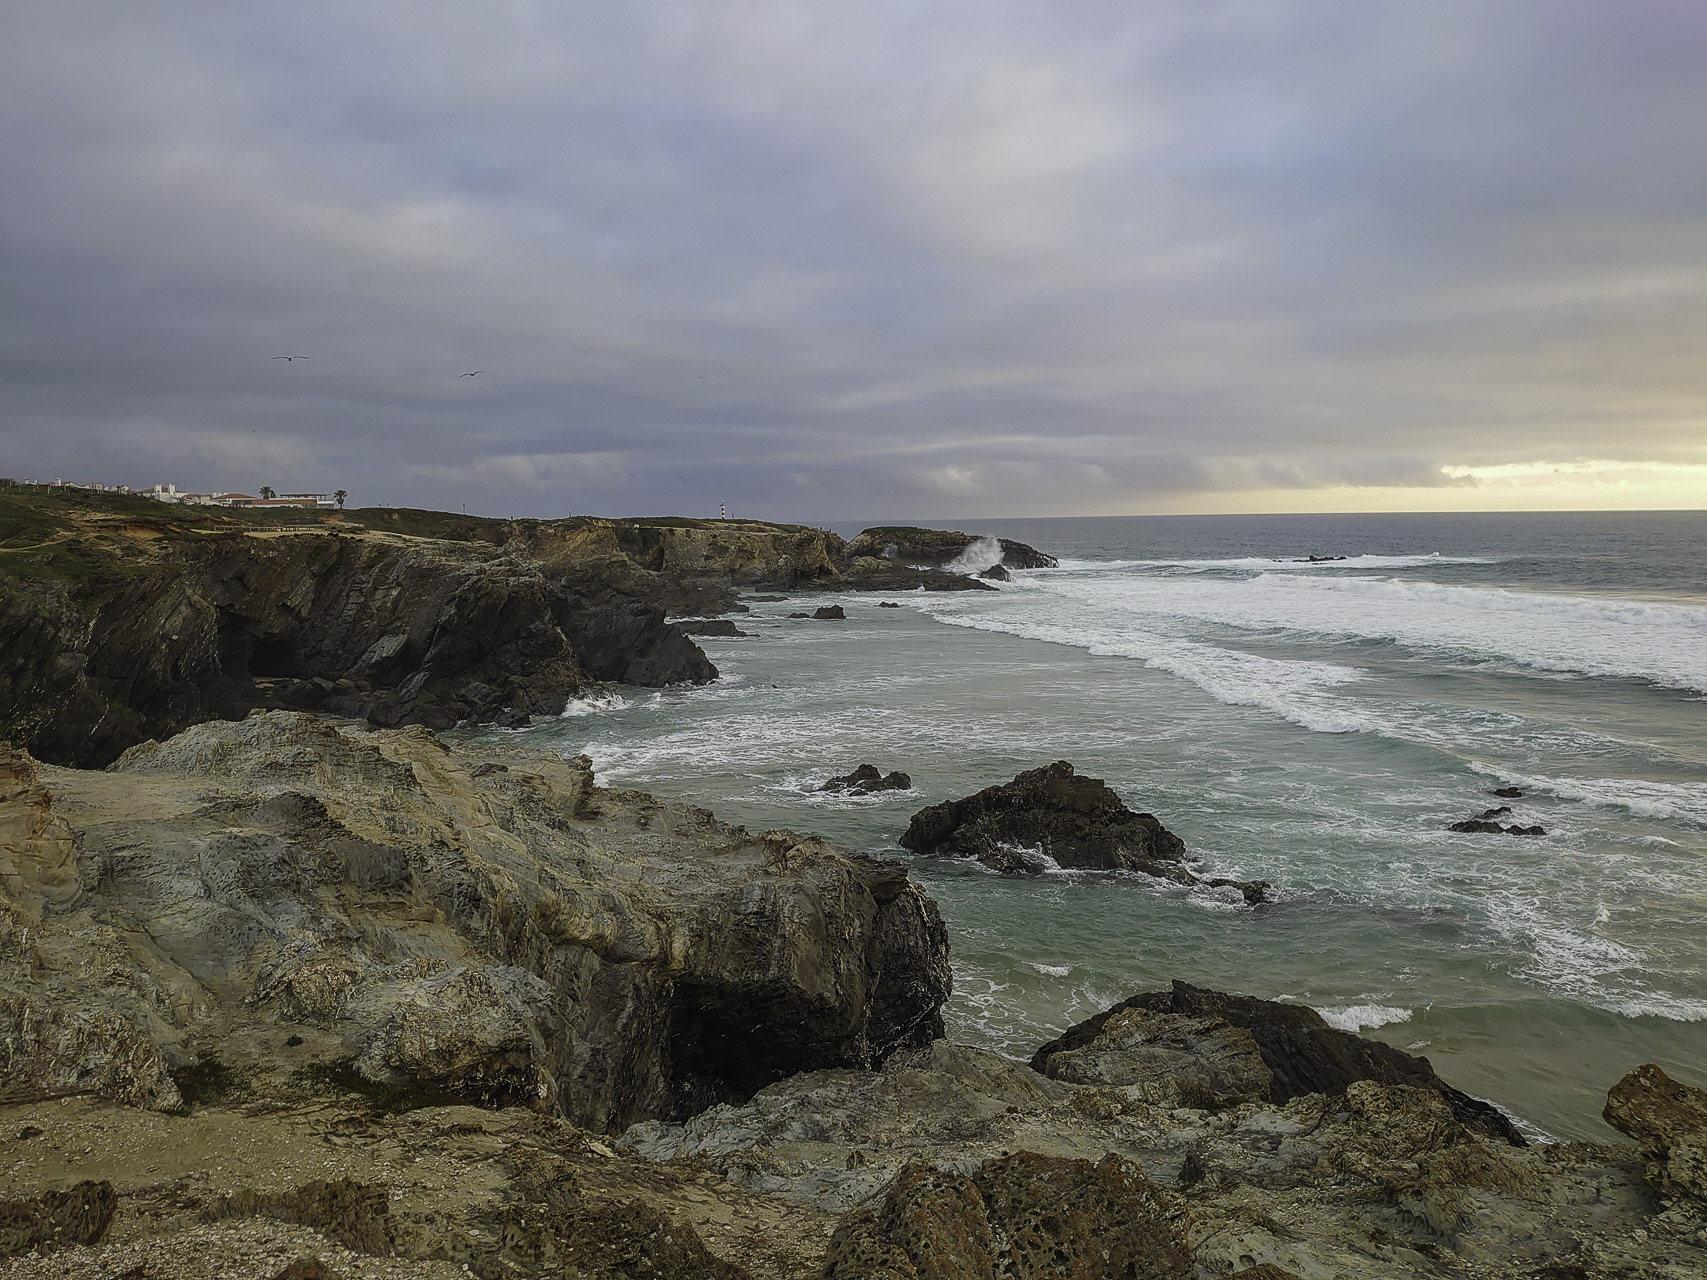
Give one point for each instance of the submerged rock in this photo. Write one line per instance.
(866, 780)
(1195, 1039)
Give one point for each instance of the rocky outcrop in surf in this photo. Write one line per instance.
(1053, 818)
(1075, 822)
(457, 922)
(1488, 823)
(867, 779)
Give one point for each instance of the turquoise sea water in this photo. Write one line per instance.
(1314, 725)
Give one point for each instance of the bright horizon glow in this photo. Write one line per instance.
(1583, 484)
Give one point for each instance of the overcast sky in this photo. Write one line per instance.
(859, 260)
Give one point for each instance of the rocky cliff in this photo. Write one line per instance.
(289, 898)
(281, 1000)
(123, 619)
(126, 621)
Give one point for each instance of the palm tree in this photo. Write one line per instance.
(340, 496)
(267, 492)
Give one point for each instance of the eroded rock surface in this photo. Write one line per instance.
(1018, 1217)
(1219, 1046)
(451, 920)
(1380, 1181)
(1668, 1120)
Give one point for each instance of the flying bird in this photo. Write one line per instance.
(290, 357)
(471, 374)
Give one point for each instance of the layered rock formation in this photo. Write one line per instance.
(1378, 1181)
(161, 619)
(122, 619)
(1210, 1047)
(1053, 818)
(435, 920)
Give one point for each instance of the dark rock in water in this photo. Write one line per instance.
(1254, 891)
(800, 615)
(1488, 814)
(1302, 1053)
(1318, 559)
(1023, 1216)
(887, 604)
(1079, 823)
(997, 574)
(710, 627)
(830, 613)
(1485, 825)
(866, 779)
(1668, 1120)
(1509, 793)
(765, 599)
(57, 1219)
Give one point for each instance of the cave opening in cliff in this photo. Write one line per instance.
(274, 658)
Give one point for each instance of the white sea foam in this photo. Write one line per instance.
(1660, 642)
(1304, 563)
(978, 556)
(1641, 796)
(1359, 1017)
(596, 704)
(1292, 689)
(1584, 966)
(1052, 970)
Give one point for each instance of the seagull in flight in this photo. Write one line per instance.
(290, 357)
(471, 374)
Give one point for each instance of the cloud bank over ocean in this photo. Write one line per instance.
(822, 262)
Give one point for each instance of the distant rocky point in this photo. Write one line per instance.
(937, 548)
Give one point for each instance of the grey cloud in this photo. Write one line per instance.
(826, 262)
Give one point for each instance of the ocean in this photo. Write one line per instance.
(1315, 725)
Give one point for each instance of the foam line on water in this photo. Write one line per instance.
(1660, 642)
(1641, 796)
(1292, 689)
(1362, 1017)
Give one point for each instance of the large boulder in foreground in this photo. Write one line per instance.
(1668, 1120)
(444, 920)
(1049, 815)
(1214, 1047)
